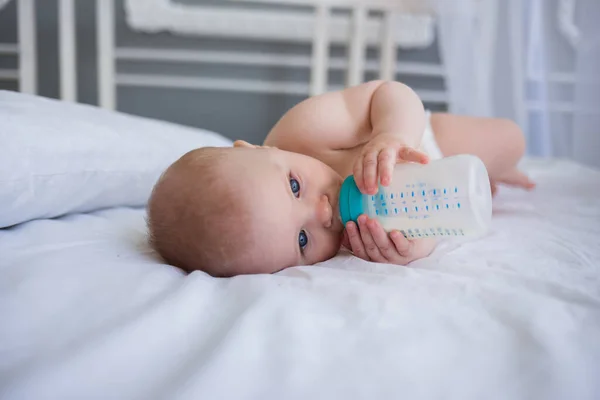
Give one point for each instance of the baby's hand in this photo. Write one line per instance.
(378, 158)
(372, 243)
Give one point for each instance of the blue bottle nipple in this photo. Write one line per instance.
(351, 201)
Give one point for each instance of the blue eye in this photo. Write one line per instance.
(295, 186)
(302, 239)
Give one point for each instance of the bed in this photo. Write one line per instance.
(88, 310)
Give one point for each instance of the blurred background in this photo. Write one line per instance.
(235, 66)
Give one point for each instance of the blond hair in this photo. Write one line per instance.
(195, 216)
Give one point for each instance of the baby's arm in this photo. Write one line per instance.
(329, 125)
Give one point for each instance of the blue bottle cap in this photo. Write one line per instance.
(351, 204)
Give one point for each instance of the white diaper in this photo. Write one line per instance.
(428, 142)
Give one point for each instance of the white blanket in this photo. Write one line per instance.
(88, 312)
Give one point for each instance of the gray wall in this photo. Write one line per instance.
(236, 115)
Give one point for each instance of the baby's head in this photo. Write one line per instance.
(245, 210)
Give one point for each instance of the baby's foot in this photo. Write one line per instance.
(514, 178)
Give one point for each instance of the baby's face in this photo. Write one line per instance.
(295, 215)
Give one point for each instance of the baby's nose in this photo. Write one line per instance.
(324, 211)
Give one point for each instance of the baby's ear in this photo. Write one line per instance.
(243, 143)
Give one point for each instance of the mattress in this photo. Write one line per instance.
(89, 311)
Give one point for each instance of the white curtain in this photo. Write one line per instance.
(586, 126)
(534, 61)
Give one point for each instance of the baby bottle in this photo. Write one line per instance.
(447, 197)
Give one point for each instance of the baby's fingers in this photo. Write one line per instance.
(402, 244)
(386, 161)
(357, 170)
(410, 154)
(368, 241)
(356, 244)
(370, 172)
(385, 246)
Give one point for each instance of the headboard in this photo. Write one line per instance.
(384, 25)
(25, 50)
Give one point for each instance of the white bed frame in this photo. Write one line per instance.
(25, 49)
(361, 31)
(321, 29)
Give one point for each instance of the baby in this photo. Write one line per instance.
(259, 209)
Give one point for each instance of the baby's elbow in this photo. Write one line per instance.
(396, 85)
(389, 84)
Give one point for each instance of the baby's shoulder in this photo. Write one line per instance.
(328, 123)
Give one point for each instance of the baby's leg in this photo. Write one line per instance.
(498, 142)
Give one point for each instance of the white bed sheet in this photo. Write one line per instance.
(87, 311)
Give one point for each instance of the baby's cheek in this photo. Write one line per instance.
(331, 246)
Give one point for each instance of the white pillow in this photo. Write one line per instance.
(58, 158)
